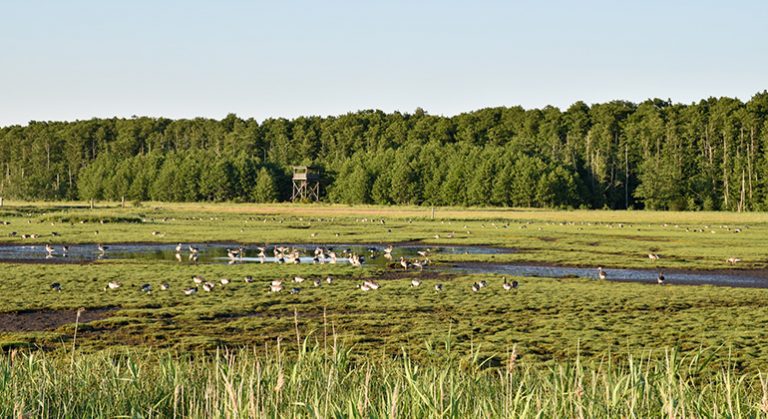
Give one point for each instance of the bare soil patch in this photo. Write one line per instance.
(39, 320)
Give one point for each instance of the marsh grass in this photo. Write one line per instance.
(325, 380)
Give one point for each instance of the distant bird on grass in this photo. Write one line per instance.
(601, 273)
(56, 287)
(660, 279)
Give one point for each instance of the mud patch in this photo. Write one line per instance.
(40, 320)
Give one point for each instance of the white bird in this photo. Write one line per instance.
(193, 249)
(438, 287)
(102, 249)
(415, 282)
(371, 284)
(208, 286)
(224, 281)
(317, 282)
(198, 279)
(49, 249)
(164, 286)
(364, 287)
(298, 279)
(275, 287)
(329, 279)
(733, 260)
(190, 291)
(653, 256)
(601, 273)
(113, 285)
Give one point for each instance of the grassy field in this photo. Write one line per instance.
(548, 323)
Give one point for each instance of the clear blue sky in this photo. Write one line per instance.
(64, 60)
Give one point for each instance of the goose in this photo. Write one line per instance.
(198, 279)
(64, 250)
(190, 291)
(164, 286)
(388, 250)
(49, 249)
(482, 284)
(193, 249)
(317, 282)
(224, 281)
(476, 287)
(261, 252)
(56, 287)
(364, 287)
(146, 288)
(653, 256)
(733, 260)
(415, 282)
(660, 279)
(113, 285)
(295, 290)
(332, 255)
(507, 286)
(422, 253)
(208, 286)
(438, 287)
(418, 264)
(371, 284)
(248, 279)
(194, 257)
(601, 273)
(329, 280)
(102, 249)
(404, 263)
(179, 247)
(298, 279)
(277, 282)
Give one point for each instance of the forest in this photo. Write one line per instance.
(710, 155)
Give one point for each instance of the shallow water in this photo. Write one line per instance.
(217, 252)
(674, 277)
(374, 255)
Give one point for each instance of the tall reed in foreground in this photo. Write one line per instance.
(337, 383)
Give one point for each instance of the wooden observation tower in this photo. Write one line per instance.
(306, 183)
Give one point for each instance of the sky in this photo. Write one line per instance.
(77, 59)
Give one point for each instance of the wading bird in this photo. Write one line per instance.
(660, 279)
(601, 273)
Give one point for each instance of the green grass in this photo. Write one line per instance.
(603, 340)
(329, 381)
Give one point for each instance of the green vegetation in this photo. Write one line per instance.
(709, 155)
(579, 346)
(329, 382)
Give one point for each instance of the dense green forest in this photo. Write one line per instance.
(709, 155)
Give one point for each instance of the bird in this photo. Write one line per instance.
(476, 287)
(329, 280)
(506, 285)
(438, 287)
(179, 247)
(164, 286)
(147, 288)
(224, 281)
(364, 287)
(415, 282)
(317, 282)
(371, 284)
(56, 287)
(276, 287)
(208, 286)
(653, 256)
(49, 249)
(660, 279)
(601, 273)
(193, 249)
(733, 260)
(113, 285)
(295, 290)
(64, 250)
(248, 279)
(190, 291)
(404, 263)
(198, 279)
(102, 249)
(298, 279)
(482, 284)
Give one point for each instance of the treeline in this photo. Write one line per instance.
(709, 155)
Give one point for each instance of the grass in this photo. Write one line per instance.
(414, 350)
(332, 382)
